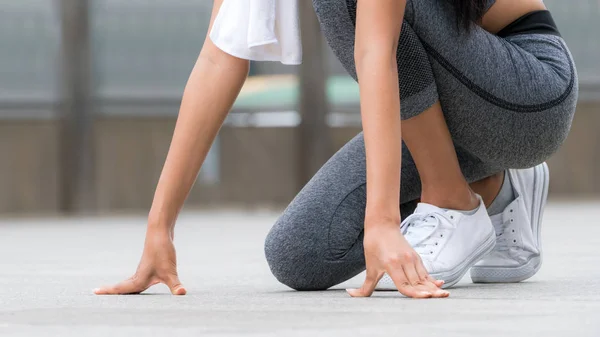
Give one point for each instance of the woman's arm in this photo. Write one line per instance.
(213, 86)
(378, 26)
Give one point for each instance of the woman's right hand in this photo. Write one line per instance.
(158, 265)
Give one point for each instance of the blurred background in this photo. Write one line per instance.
(90, 90)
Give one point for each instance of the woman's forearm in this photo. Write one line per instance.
(377, 34)
(213, 86)
(210, 92)
(380, 106)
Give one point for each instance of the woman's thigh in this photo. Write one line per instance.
(507, 101)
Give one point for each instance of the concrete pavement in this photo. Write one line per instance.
(48, 268)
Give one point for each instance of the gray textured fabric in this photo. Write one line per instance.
(508, 102)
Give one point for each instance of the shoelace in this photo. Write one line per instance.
(418, 229)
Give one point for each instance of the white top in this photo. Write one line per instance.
(259, 30)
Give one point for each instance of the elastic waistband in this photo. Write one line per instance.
(536, 22)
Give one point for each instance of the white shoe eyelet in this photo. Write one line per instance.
(515, 241)
(441, 235)
(431, 252)
(512, 220)
(513, 230)
(511, 210)
(437, 244)
(452, 217)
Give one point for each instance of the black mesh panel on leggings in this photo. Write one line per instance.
(414, 68)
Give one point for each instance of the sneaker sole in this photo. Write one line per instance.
(506, 274)
(526, 271)
(453, 276)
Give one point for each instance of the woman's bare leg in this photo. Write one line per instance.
(489, 187)
(430, 144)
(443, 183)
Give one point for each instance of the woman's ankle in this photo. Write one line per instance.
(488, 188)
(456, 198)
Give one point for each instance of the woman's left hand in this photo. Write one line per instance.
(386, 250)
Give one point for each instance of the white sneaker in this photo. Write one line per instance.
(449, 242)
(518, 252)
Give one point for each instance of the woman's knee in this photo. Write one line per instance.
(312, 249)
(312, 246)
(292, 258)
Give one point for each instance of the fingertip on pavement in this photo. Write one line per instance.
(355, 293)
(180, 291)
(100, 291)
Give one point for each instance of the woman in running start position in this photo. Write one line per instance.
(461, 101)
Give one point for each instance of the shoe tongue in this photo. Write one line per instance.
(424, 208)
(497, 219)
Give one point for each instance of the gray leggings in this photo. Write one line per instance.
(508, 103)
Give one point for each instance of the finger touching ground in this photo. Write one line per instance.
(425, 282)
(433, 289)
(175, 285)
(129, 286)
(368, 287)
(403, 285)
(424, 274)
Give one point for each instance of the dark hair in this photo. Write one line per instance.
(469, 12)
